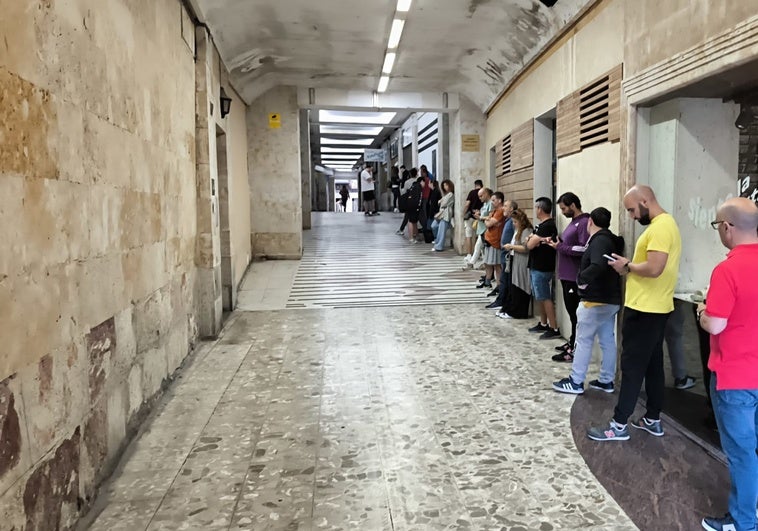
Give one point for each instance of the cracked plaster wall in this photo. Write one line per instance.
(97, 238)
(275, 176)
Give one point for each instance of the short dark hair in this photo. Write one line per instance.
(544, 204)
(514, 204)
(601, 217)
(414, 172)
(499, 195)
(479, 183)
(570, 198)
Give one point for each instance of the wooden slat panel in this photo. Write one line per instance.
(567, 125)
(522, 146)
(614, 104)
(519, 186)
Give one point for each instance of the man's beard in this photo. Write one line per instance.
(569, 214)
(644, 215)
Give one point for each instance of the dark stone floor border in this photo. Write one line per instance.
(661, 483)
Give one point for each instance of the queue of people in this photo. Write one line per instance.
(428, 207)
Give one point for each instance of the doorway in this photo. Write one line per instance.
(228, 293)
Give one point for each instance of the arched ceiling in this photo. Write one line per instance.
(474, 47)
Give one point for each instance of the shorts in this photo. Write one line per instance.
(368, 195)
(469, 228)
(491, 255)
(542, 284)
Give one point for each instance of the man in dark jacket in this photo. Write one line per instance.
(600, 296)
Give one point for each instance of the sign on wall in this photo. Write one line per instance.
(470, 143)
(373, 155)
(274, 120)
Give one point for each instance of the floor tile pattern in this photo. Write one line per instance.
(365, 418)
(350, 260)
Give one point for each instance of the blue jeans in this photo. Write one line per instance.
(737, 419)
(439, 228)
(595, 321)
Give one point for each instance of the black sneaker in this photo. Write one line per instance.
(375, 213)
(484, 284)
(550, 333)
(567, 385)
(600, 386)
(539, 327)
(563, 357)
(493, 292)
(684, 383)
(725, 523)
(566, 346)
(494, 305)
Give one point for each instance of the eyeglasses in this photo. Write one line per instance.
(715, 224)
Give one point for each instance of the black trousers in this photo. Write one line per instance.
(395, 196)
(571, 301)
(504, 285)
(641, 359)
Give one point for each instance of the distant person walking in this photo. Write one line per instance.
(367, 188)
(344, 197)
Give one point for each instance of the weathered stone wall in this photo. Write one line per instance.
(655, 30)
(275, 175)
(97, 238)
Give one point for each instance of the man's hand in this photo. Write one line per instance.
(550, 242)
(619, 265)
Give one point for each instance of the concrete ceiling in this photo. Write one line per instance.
(473, 47)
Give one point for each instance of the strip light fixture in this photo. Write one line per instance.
(396, 32)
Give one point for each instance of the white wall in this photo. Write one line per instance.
(690, 159)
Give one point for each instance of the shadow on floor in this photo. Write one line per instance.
(661, 483)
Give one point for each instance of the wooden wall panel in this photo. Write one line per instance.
(614, 104)
(519, 186)
(522, 146)
(567, 125)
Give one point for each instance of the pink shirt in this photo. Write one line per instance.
(733, 295)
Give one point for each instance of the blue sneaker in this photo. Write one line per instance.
(567, 385)
(614, 432)
(653, 427)
(725, 523)
(600, 386)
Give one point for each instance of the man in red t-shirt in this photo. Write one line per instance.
(731, 317)
(494, 223)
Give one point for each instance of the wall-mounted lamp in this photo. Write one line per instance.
(226, 103)
(745, 119)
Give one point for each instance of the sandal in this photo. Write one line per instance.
(564, 357)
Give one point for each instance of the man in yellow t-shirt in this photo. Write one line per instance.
(651, 278)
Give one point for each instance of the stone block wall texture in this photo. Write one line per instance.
(275, 176)
(97, 238)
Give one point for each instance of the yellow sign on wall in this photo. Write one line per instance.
(274, 120)
(470, 143)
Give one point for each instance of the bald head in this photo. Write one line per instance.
(641, 204)
(741, 212)
(641, 192)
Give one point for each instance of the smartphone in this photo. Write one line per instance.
(609, 257)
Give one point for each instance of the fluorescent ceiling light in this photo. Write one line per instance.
(395, 33)
(389, 62)
(337, 130)
(349, 141)
(354, 117)
(384, 81)
(337, 156)
(341, 150)
(403, 5)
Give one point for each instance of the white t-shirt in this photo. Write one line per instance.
(367, 182)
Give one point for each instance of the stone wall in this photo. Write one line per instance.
(97, 238)
(275, 175)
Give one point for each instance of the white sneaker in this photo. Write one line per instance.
(396, 211)
(503, 315)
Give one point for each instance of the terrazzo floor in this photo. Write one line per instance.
(370, 418)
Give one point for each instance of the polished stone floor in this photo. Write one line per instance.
(374, 417)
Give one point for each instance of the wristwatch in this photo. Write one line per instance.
(626, 266)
